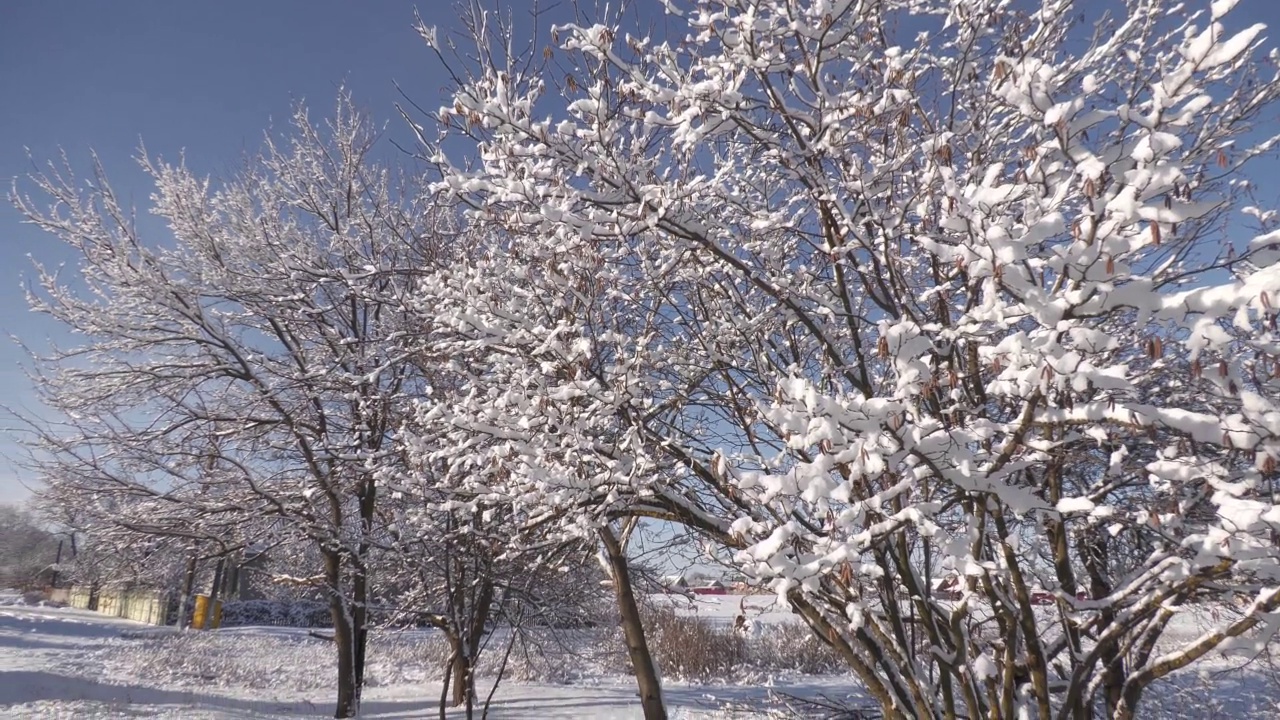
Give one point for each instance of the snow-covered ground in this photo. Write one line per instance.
(66, 663)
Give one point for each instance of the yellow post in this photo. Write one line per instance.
(198, 613)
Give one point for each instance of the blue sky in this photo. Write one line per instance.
(205, 76)
(208, 77)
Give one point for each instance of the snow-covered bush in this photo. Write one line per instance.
(281, 613)
(692, 649)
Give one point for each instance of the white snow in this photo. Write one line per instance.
(65, 663)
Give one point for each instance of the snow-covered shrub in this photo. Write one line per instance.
(693, 649)
(279, 613)
(791, 648)
(696, 649)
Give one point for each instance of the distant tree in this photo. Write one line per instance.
(28, 550)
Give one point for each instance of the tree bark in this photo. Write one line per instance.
(1093, 553)
(360, 578)
(344, 639)
(633, 630)
(444, 686)
(468, 640)
(210, 608)
(460, 674)
(188, 587)
(360, 622)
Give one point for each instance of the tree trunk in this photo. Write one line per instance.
(1093, 553)
(210, 608)
(344, 639)
(231, 581)
(444, 686)
(188, 587)
(461, 676)
(350, 614)
(466, 646)
(360, 583)
(633, 630)
(57, 563)
(360, 622)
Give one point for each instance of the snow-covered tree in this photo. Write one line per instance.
(887, 293)
(249, 368)
(28, 549)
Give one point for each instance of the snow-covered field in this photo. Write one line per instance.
(65, 663)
